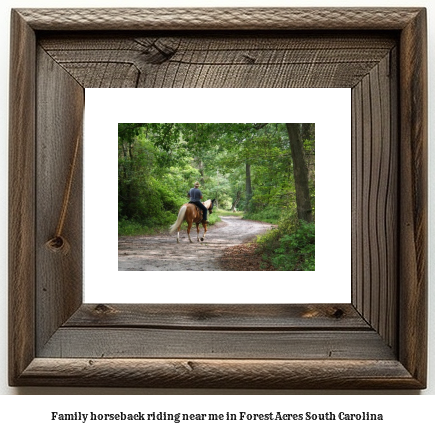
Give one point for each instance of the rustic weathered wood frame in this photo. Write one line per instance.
(378, 341)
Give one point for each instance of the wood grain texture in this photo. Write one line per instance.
(59, 280)
(375, 198)
(95, 342)
(269, 317)
(392, 301)
(379, 342)
(235, 60)
(413, 188)
(21, 197)
(220, 18)
(240, 374)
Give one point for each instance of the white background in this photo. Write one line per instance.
(329, 109)
(404, 413)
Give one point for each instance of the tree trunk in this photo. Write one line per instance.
(201, 171)
(248, 185)
(308, 133)
(303, 200)
(236, 201)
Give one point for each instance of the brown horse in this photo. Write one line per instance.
(191, 214)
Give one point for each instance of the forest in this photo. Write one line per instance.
(258, 171)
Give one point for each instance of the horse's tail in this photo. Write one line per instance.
(180, 219)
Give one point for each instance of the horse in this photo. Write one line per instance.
(191, 214)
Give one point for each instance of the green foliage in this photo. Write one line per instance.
(159, 163)
(228, 213)
(290, 247)
(296, 251)
(130, 228)
(213, 218)
(147, 198)
(269, 215)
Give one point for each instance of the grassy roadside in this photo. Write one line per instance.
(226, 213)
(290, 247)
(268, 215)
(133, 228)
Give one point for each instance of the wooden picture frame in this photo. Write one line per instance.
(376, 342)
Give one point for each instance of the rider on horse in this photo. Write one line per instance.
(195, 198)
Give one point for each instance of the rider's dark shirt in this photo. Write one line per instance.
(195, 194)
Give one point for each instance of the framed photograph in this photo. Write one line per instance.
(377, 341)
(223, 119)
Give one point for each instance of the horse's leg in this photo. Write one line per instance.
(204, 225)
(189, 226)
(197, 231)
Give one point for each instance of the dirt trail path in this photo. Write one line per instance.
(162, 253)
